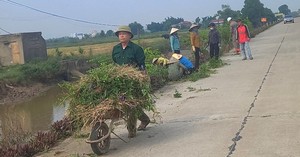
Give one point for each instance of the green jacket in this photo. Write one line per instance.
(133, 55)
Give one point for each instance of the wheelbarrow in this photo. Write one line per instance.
(99, 138)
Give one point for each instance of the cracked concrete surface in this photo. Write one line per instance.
(252, 110)
(238, 134)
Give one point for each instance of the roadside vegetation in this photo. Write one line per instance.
(38, 70)
(27, 145)
(46, 70)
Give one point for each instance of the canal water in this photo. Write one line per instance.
(31, 116)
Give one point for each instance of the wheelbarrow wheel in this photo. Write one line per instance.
(98, 131)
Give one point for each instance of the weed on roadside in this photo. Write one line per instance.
(191, 89)
(203, 72)
(215, 63)
(177, 94)
(74, 155)
(203, 90)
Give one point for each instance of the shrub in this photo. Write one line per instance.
(101, 59)
(58, 53)
(41, 70)
(215, 63)
(225, 38)
(80, 50)
(151, 53)
(203, 72)
(37, 143)
(158, 76)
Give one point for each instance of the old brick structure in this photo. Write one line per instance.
(21, 48)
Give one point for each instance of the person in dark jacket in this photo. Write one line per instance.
(214, 41)
(129, 53)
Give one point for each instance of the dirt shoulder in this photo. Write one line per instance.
(11, 94)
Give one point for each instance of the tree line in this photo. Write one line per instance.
(253, 10)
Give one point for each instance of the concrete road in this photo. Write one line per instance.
(247, 109)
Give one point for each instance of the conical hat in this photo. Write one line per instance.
(177, 56)
(154, 60)
(193, 26)
(173, 30)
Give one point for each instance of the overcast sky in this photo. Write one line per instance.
(16, 19)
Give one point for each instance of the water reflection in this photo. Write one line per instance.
(32, 116)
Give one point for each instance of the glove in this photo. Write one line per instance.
(193, 48)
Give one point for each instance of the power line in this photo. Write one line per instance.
(5, 30)
(59, 16)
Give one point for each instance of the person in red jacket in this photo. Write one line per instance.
(243, 37)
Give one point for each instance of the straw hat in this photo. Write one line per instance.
(173, 30)
(229, 18)
(124, 29)
(177, 56)
(193, 26)
(154, 60)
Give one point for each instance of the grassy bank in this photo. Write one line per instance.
(38, 70)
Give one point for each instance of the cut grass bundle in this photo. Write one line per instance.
(105, 90)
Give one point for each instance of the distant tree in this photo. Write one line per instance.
(102, 33)
(228, 12)
(86, 36)
(167, 24)
(269, 15)
(136, 28)
(225, 6)
(109, 33)
(284, 9)
(206, 20)
(197, 20)
(155, 27)
(254, 11)
(295, 14)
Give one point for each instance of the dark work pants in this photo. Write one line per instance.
(197, 57)
(144, 118)
(177, 51)
(214, 50)
(132, 120)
